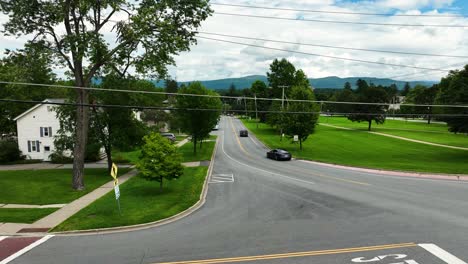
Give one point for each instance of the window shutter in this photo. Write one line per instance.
(37, 146)
(50, 131)
(29, 145)
(42, 131)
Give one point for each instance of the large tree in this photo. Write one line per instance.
(29, 65)
(302, 116)
(421, 95)
(198, 114)
(453, 91)
(144, 35)
(369, 112)
(260, 90)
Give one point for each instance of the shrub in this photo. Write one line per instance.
(9, 151)
(59, 158)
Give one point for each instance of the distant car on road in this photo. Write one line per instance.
(169, 136)
(278, 154)
(216, 127)
(243, 133)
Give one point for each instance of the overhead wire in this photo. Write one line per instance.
(339, 12)
(325, 56)
(218, 96)
(218, 109)
(334, 47)
(342, 22)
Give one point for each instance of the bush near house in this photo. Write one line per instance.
(9, 151)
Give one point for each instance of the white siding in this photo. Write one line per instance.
(29, 129)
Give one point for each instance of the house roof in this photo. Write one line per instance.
(36, 106)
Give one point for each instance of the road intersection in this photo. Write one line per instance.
(263, 211)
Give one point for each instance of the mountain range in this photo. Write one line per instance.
(331, 82)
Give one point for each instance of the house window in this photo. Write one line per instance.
(46, 148)
(46, 131)
(34, 146)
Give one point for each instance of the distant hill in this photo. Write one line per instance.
(326, 82)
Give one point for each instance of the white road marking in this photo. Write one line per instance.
(215, 178)
(3, 237)
(26, 249)
(442, 254)
(281, 175)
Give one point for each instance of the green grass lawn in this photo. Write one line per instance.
(360, 149)
(434, 133)
(141, 202)
(126, 157)
(23, 215)
(47, 186)
(202, 154)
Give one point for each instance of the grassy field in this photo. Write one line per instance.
(360, 149)
(26, 216)
(434, 133)
(126, 157)
(202, 154)
(141, 202)
(47, 186)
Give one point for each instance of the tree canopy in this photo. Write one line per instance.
(198, 123)
(144, 36)
(303, 118)
(368, 112)
(454, 91)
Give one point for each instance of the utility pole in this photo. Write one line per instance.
(245, 106)
(256, 110)
(282, 106)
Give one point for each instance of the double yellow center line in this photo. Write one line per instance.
(295, 254)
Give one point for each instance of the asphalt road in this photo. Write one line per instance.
(264, 211)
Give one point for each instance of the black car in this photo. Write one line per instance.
(278, 154)
(244, 133)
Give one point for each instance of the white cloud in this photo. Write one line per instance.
(213, 60)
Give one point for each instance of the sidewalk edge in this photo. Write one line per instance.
(168, 220)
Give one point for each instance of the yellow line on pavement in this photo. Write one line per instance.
(294, 254)
(237, 137)
(300, 171)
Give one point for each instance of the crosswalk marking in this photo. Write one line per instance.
(218, 178)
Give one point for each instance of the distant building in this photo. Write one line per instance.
(36, 128)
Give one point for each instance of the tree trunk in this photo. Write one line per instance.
(300, 144)
(370, 123)
(109, 158)
(195, 145)
(161, 183)
(81, 131)
(201, 143)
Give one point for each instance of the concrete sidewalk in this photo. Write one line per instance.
(52, 220)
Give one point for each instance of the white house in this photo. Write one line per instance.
(36, 129)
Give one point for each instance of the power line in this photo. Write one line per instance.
(337, 12)
(425, 72)
(344, 22)
(219, 109)
(214, 96)
(326, 56)
(335, 47)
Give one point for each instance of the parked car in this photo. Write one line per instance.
(278, 154)
(216, 127)
(244, 133)
(169, 136)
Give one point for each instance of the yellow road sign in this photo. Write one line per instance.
(114, 170)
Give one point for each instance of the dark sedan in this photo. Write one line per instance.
(278, 154)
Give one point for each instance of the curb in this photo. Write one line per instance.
(453, 177)
(120, 229)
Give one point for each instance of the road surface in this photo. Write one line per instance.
(264, 211)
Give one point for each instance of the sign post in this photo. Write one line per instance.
(116, 185)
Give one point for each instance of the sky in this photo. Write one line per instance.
(208, 59)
